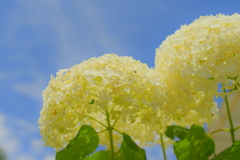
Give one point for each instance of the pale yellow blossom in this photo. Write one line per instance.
(122, 86)
(196, 59)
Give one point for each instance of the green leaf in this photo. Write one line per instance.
(235, 87)
(92, 101)
(210, 78)
(176, 131)
(130, 150)
(197, 145)
(232, 78)
(104, 155)
(100, 155)
(231, 153)
(85, 143)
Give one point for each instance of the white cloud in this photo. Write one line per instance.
(25, 157)
(4, 130)
(4, 75)
(81, 38)
(31, 89)
(37, 146)
(19, 142)
(73, 43)
(11, 145)
(26, 127)
(76, 39)
(49, 157)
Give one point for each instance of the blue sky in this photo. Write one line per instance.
(38, 37)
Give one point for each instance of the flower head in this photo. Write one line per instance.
(125, 88)
(197, 58)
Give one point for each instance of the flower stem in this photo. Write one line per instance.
(110, 130)
(97, 121)
(237, 128)
(218, 131)
(163, 147)
(232, 130)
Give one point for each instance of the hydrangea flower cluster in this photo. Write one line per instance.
(189, 66)
(126, 88)
(197, 58)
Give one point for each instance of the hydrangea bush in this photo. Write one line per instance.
(121, 103)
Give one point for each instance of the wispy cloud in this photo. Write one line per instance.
(15, 135)
(36, 26)
(25, 157)
(9, 143)
(49, 157)
(32, 89)
(51, 22)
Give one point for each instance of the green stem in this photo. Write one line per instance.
(97, 121)
(225, 129)
(110, 130)
(102, 131)
(117, 131)
(91, 117)
(163, 147)
(116, 121)
(232, 130)
(237, 128)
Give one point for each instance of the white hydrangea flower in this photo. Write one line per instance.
(122, 86)
(196, 59)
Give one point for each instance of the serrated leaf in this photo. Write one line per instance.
(130, 150)
(231, 153)
(100, 155)
(85, 143)
(197, 145)
(176, 131)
